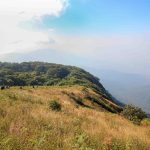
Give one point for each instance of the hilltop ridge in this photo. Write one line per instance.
(49, 74)
(88, 116)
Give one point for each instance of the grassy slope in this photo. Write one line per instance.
(26, 122)
(43, 74)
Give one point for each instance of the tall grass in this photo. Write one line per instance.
(27, 123)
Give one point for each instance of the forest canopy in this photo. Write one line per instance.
(45, 74)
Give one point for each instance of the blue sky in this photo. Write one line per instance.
(103, 17)
(109, 34)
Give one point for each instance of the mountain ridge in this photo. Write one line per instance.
(50, 74)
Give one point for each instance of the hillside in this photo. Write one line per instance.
(40, 73)
(28, 123)
(88, 116)
(48, 74)
(126, 87)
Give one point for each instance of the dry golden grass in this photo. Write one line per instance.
(27, 123)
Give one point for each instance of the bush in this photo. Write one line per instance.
(146, 122)
(134, 114)
(55, 105)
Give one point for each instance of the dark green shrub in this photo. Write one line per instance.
(134, 114)
(55, 105)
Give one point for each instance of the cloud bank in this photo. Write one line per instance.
(120, 52)
(33, 8)
(15, 38)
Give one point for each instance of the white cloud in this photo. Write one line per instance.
(124, 53)
(33, 8)
(12, 12)
(129, 52)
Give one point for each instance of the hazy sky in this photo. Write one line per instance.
(110, 34)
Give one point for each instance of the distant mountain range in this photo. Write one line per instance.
(127, 88)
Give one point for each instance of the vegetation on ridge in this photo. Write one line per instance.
(40, 73)
(48, 74)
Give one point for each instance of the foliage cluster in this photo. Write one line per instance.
(40, 73)
(134, 114)
(55, 105)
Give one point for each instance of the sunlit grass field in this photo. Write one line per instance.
(28, 123)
